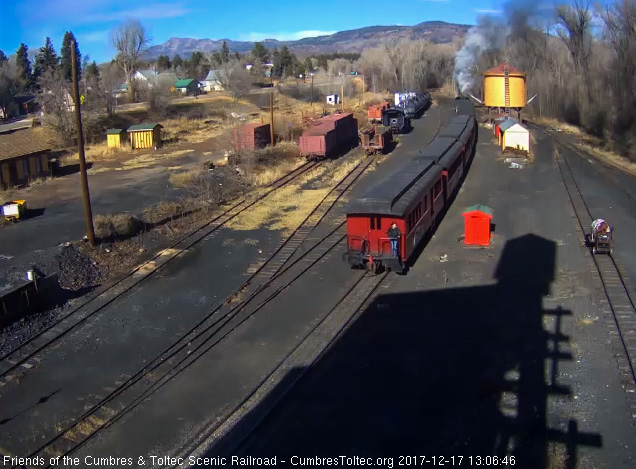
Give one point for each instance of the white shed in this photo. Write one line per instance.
(514, 135)
(333, 99)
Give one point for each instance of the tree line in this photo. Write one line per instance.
(580, 60)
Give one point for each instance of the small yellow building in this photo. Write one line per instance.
(115, 137)
(514, 135)
(145, 136)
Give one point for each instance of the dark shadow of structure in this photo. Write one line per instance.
(460, 371)
(69, 169)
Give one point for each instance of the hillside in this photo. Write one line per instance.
(344, 41)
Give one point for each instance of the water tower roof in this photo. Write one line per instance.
(499, 70)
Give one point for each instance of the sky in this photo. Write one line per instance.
(31, 21)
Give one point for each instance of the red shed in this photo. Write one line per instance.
(251, 136)
(477, 225)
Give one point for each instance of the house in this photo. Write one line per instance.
(188, 86)
(214, 80)
(152, 78)
(23, 157)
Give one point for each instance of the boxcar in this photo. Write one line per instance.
(329, 135)
(318, 141)
(410, 198)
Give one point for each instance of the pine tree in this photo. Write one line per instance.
(163, 62)
(92, 72)
(23, 65)
(225, 53)
(46, 59)
(260, 53)
(3, 57)
(66, 60)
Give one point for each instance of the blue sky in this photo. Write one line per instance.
(30, 21)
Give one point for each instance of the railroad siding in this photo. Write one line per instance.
(127, 334)
(528, 201)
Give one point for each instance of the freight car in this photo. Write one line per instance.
(413, 198)
(374, 113)
(415, 106)
(251, 136)
(396, 119)
(329, 136)
(375, 139)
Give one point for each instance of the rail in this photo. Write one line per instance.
(212, 329)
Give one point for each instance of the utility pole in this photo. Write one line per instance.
(342, 94)
(312, 89)
(271, 116)
(88, 213)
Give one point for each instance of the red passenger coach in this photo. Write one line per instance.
(411, 198)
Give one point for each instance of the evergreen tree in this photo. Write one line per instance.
(46, 59)
(177, 61)
(23, 66)
(225, 53)
(163, 62)
(260, 53)
(3, 57)
(91, 72)
(66, 59)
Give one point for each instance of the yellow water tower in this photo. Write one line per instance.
(505, 89)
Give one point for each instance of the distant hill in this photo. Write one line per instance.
(344, 41)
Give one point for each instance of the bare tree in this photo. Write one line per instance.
(575, 24)
(129, 39)
(55, 98)
(235, 78)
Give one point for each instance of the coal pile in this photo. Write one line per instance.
(76, 271)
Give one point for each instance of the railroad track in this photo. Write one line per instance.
(274, 278)
(19, 358)
(617, 303)
(244, 419)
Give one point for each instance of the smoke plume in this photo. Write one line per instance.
(492, 33)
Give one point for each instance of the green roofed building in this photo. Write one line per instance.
(145, 136)
(188, 86)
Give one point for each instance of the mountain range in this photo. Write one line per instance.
(353, 40)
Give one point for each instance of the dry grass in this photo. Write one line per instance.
(287, 208)
(184, 179)
(558, 125)
(121, 225)
(609, 158)
(194, 130)
(590, 145)
(270, 174)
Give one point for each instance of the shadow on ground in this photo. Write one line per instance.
(459, 371)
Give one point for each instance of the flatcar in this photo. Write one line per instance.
(413, 197)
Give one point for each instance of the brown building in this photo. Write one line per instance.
(23, 157)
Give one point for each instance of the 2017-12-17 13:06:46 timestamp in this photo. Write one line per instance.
(456, 461)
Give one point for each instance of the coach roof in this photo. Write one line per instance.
(436, 150)
(395, 194)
